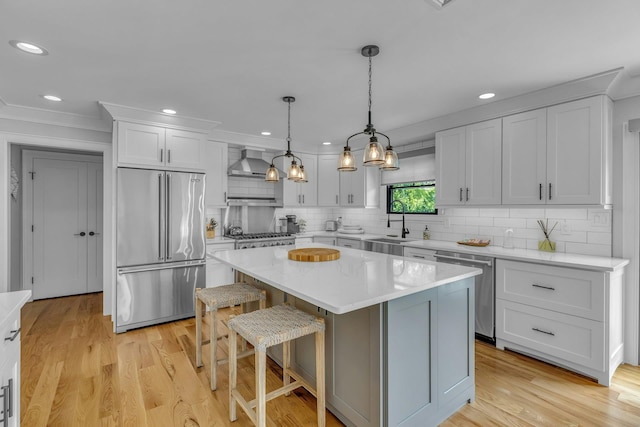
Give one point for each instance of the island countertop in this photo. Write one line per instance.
(357, 280)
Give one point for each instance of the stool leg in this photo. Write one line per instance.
(199, 307)
(233, 374)
(261, 388)
(320, 386)
(214, 348)
(286, 364)
(243, 309)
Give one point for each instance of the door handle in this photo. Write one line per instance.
(14, 336)
(336, 199)
(303, 199)
(161, 153)
(168, 217)
(549, 191)
(169, 156)
(540, 190)
(160, 258)
(460, 193)
(543, 331)
(82, 234)
(91, 233)
(467, 194)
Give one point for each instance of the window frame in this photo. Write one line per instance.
(416, 184)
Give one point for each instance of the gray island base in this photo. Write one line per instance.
(407, 360)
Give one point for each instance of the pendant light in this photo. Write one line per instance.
(296, 172)
(374, 154)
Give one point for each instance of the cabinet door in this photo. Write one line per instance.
(450, 167)
(484, 163)
(328, 180)
(140, 145)
(308, 191)
(216, 160)
(524, 158)
(574, 152)
(185, 150)
(350, 196)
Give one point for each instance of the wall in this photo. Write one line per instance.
(15, 224)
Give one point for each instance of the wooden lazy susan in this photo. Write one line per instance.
(314, 254)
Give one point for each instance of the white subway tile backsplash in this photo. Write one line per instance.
(599, 238)
(526, 213)
(566, 213)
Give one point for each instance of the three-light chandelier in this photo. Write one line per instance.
(374, 155)
(296, 172)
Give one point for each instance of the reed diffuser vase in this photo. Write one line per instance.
(546, 245)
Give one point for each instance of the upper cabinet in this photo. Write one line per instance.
(558, 155)
(468, 163)
(361, 188)
(328, 180)
(301, 194)
(158, 147)
(216, 167)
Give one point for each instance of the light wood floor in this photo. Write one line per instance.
(76, 372)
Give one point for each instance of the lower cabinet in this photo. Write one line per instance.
(566, 316)
(349, 243)
(324, 239)
(10, 372)
(218, 273)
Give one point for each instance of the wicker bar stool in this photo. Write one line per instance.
(265, 328)
(221, 297)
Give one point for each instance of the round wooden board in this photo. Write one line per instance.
(314, 254)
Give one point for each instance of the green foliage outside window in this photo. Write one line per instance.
(418, 197)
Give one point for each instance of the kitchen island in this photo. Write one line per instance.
(400, 332)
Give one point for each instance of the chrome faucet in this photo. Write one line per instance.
(405, 230)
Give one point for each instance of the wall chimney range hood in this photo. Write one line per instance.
(250, 165)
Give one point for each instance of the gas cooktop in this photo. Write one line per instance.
(254, 236)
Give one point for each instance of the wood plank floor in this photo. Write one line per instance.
(77, 372)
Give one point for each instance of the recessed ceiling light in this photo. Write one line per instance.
(326, 143)
(487, 95)
(169, 111)
(52, 98)
(265, 133)
(28, 47)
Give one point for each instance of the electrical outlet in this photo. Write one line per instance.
(600, 219)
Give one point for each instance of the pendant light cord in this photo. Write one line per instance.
(289, 128)
(370, 91)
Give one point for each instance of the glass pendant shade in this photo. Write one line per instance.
(390, 160)
(294, 171)
(303, 175)
(374, 153)
(272, 174)
(346, 162)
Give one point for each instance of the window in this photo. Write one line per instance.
(418, 197)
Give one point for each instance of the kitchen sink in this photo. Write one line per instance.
(384, 245)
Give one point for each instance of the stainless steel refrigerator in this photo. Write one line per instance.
(160, 245)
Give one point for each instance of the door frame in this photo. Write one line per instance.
(7, 139)
(28, 156)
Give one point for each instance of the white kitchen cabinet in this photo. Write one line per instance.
(346, 242)
(327, 240)
(216, 162)
(301, 194)
(158, 147)
(361, 188)
(567, 316)
(468, 163)
(328, 180)
(10, 305)
(558, 155)
(304, 240)
(218, 273)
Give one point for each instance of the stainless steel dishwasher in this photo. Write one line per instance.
(485, 290)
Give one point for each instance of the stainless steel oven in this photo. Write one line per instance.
(485, 290)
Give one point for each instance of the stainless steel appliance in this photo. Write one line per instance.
(160, 245)
(262, 240)
(331, 225)
(485, 289)
(292, 224)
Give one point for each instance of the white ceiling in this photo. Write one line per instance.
(232, 61)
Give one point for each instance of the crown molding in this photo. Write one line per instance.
(50, 117)
(139, 115)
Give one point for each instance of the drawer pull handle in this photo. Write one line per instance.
(418, 256)
(543, 332)
(13, 337)
(535, 285)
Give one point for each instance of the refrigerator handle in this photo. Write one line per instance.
(168, 216)
(160, 257)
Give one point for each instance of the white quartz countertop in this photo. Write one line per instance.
(358, 279)
(585, 262)
(10, 302)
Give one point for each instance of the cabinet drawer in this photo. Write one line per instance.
(571, 338)
(426, 254)
(566, 290)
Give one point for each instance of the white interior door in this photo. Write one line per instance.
(63, 206)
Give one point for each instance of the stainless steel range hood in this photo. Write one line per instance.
(253, 201)
(250, 165)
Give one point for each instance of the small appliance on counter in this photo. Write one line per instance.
(331, 225)
(292, 224)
